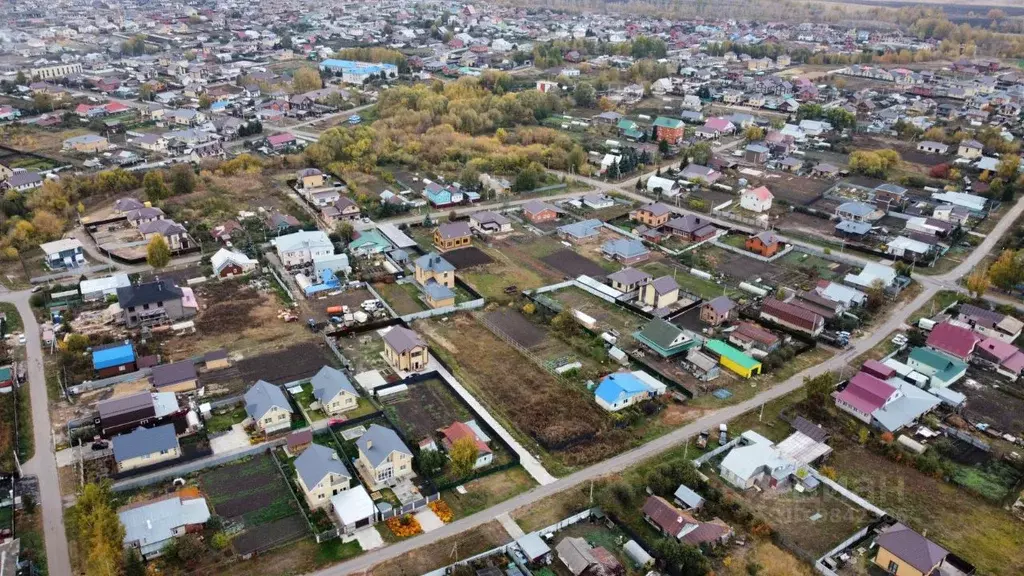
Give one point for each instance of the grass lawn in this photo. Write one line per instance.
(434, 556)
(304, 399)
(223, 419)
(939, 302)
(14, 323)
(485, 492)
(490, 280)
(608, 315)
(986, 535)
(706, 289)
(403, 298)
(335, 551)
(734, 240)
(825, 269)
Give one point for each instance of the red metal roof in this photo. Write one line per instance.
(953, 340)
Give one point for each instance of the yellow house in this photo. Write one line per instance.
(432, 267)
(333, 390)
(405, 350)
(86, 143)
(733, 359)
(660, 292)
(653, 215)
(452, 236)
(321, 474)
(145, 447)
(904, 552)
(383, 456)
(310, 178)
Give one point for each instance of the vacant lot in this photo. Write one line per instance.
(572, 264)
(427, 407)
(511, 268)
(517, 327)
(290, 364)
(403, 298)
(235, 316)
(986, 535)
(608, 315)
(695, 285)
(445, 552)
(254, 494)
(563, 419)
(485, 492)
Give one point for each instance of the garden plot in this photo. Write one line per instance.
(987, 402)
(706, 289)
(607, 315)
(467, 258)
(578, 350)
(403, 298)
(563, 419)
(298, 362)
(254, 496)
(512, 270)
(797, 190)
(573, 265)
(427, 407)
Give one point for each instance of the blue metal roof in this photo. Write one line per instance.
(114, 356)
(618, 385)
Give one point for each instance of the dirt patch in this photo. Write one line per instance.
(572, 264)
(288, 365)
(467, 258)
(427, 407)
(999, 408)
(270, 534)
(517, 327)
(431, 557)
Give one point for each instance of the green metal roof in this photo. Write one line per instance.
(665, 122)
(937, 360)
(737, 357)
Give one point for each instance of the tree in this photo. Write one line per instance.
(585, 95)
(977, 282)
(606, 104)
(133, 564)
(42, 102)
(94, 524)
(1007, 271)
(663, 147)
(875, 296)
(346, 231)
(183, 180)
(463, 454)
(682, 559)
(1007, 167)
(158, 253)
(700, 153)
(306, 79)
(154, 187)
(819, 390)
(453, 216)
(185, 549)
(20, 79)
(205, 101)
(753, 133)
(431, 462)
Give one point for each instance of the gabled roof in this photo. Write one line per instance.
(143, 441)
(761, 193)
(656, 209)
(329, 382)
(459, 430)
(433, 262)
(262, 396)
(147, 293)
(624, 248)
(953, 339)
(721, 304)
(402, 339)
(378, 442)
(629, 276)
(664, 285)
(537, 206)
(866, 393)
(316, 462)
(155, 522)
(911, 547)
(620, 386)
(174, 373)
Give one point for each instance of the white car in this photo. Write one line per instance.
(22, 339)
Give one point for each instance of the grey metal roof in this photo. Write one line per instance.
(688, 497)
(147, 293)
(379, 442)
(911, 547)
(454, 230)
(629, 276)
(142, 441)
(401, 339)
(175, 373)
(433, 262)
(318, 461)
(328, 382)
(664, 285)
(125, 404)
(262, 396)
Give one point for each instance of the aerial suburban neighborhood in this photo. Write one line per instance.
(512, 288)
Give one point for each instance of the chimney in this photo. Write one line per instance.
(369, 444)
(924, 533)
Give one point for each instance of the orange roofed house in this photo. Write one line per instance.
(682, 526)
(765, 243)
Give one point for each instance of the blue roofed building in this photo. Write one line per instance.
(623, 389)
(438, 295)
(583, 230)
(852, 229)
(114, 359)
(151, 526)
(354, 72)
(625, 250)
(145, 447)
(442, 195)
(369, 243)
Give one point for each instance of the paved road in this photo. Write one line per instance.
(894, 321)
(43, 465)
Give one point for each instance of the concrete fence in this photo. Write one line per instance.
(107, 382)
(749, 254)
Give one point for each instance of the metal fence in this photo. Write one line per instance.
(194, 466)
(471, 305)
(748, 253)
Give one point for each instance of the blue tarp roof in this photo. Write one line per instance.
(114, 356)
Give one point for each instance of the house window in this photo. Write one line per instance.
(320, 496)
(894, 567)
(145, 306)
(282, 416)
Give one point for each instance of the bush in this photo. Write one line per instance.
(220, 541)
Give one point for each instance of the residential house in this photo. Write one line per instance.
(756, 153)
(792, 316)
(578, 556)
(664, 338)
(941, 370)
(598, 201)
(432, 267)
(113, 359)
(660, 292)
(125, 413)
(953, 340)
(537, 211)
(487, 222)
(970, 149)
(670, 130)
(754, 339)
(216, 359)
(368, 244)
(628, 279)
(625, 250)
(858, 212)
(733, 359)
(267, 405)
(150, 303)
(145, 447)
(682, 526)
(757, 199)
(383, 456)
(63, 254)
(1004, 357)
(343, 209)
(443, 195)
(652, 215)
(990, 323)
(452, 236)
(691, 228)
(228, 263)
(904, 552)
(301, 248)
(175, 234)
(333, 391)
(150, 527)
(320, 474)
(142, 215)
(175, 377)
(620, 390)
(718, 311)
(309, 178)
(764, 243)
(405, 350)
(700, 174)
(86, 144)
(462, 431)
(23, 181)
(281, 141)
(580, 231)
(931, 147)
(863, 395)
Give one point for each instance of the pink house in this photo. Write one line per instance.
(1007, 358)
(863, 395)
(957, 341)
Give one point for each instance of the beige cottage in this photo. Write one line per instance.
(321, 474)
(405, 350)
(383, 457)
